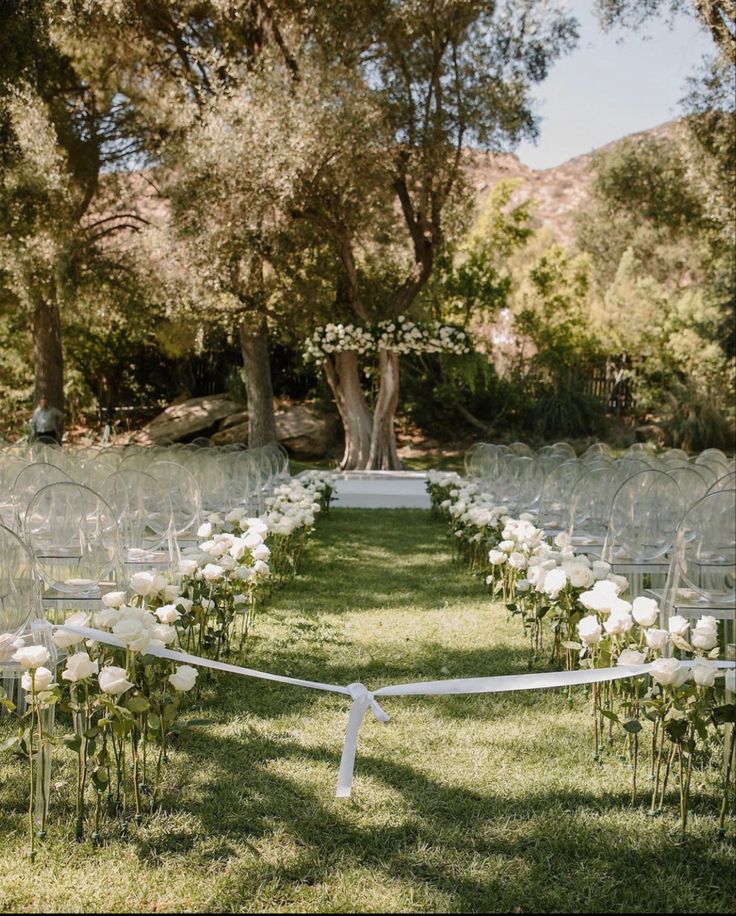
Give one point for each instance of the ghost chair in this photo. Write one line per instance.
(702, 574)
(645, 512)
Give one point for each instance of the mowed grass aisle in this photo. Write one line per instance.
(474, 804)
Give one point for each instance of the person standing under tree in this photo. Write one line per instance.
(47, 423)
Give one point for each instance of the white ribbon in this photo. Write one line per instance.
(363, 699)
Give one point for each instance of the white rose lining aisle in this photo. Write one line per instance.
(462, 803)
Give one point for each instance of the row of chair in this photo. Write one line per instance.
(665, 521)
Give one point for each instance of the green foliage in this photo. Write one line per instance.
(566, 409)
(694, 420)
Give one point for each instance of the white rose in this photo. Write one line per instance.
(704, 674)
(554, 582)
(142, 583)
(107, 618)
(731, 681)
(212, 572)
(204, 530)
(129, 630)
(184, 678)
(669, 672)
(78, 667)
(707, 622)
(581, 576)
(163, 633)
(563, 539)
(187, 567)
(621, 581)
(507, 546)
(590, 630)
(41, 679)
(167, 614)
(496, 557)
(601, 569)
(185, 603)
(631, 657)
(260, 568)
(678, 626)
(261, 552)
(645, 611)
(618, 623)
(112, 680)
(657, 639)
(64, 639)
(522, 586)
(32, 656)
(704, 638)
(238, 549)
(114, 599)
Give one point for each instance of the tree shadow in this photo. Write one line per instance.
(529, 849)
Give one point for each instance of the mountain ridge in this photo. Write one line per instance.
(558, 192)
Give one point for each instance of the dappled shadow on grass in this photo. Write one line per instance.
(483, 851)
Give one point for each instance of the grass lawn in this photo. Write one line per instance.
(461, 804)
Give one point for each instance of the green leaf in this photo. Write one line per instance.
(72, 742)
(632, 726)
(574, 646)
(99, 778)
(608, 714)
(722, 714)
(138, 704)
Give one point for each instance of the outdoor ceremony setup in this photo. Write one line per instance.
(129, 574)
(367, 456)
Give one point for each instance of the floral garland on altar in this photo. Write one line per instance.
(400, 336)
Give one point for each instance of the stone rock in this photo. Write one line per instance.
(304, 432)
(188, 419)
(235, 419)
(231, 433)
(650, 432)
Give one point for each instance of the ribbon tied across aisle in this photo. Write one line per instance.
(364, 699)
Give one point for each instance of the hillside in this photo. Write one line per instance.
(559, 192)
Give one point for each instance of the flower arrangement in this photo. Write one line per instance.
(579, 601)
(121, 702)
(401, 335)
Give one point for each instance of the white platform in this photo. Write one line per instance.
(382, 490)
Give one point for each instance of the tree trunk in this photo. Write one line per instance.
(258, 387)
(383, 455)
(344, 379)
(47, 353)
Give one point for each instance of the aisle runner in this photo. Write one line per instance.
(363, 699)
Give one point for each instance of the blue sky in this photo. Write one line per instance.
(613, 84)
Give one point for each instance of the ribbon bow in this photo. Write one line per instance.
(363, 699)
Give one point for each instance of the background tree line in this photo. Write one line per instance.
(190, 187)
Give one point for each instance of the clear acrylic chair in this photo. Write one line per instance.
(20, 608)
(590, 506)
(702, 574)
(75, 541)
(553, 512)
(186, 499)
(645, 512)
(144, 515)
(28, 482)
